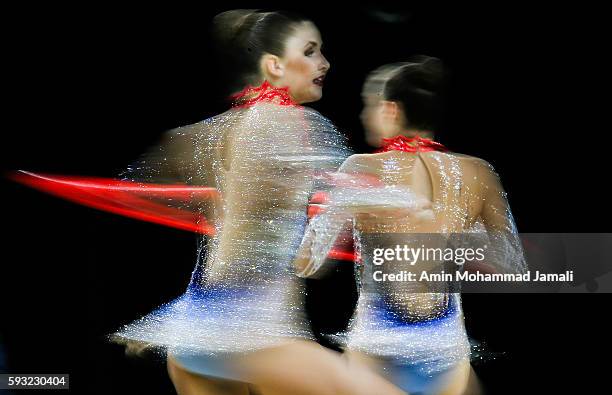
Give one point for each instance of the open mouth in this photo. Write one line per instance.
(319, 80)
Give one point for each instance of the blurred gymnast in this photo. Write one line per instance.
(412, 333)
(240, 327)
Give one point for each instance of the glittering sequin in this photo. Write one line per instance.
(244, 295)
(407, 323)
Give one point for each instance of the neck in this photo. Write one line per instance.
(425, 134)
(412, 141)
(280, 84)
(263, 92)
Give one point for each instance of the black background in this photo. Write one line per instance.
(90, 88)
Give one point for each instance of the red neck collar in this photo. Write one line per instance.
(410, 144)
(263, 93)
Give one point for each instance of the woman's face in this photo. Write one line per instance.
(379, 119)
(304, 64)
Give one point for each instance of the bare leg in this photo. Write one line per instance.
(298, 368)
(458, 380)
(473, 384)
(462, 380)
(359, 359)
(187, 383)
(306, 368)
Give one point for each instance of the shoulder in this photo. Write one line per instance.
(358, 162)
(468, 159)
(356, 159)
(474, 164)
(190, 130)
(266, 110)
(265, 119)
(292, 114)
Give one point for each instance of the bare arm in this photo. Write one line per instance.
(360, 196)
(505, 252)
(321, 233)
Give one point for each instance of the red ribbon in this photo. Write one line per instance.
(161, 204)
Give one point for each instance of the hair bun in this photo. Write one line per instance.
(427, 73)
(227, 25)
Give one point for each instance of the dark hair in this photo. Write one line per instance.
(242, 37)
(418, 85)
